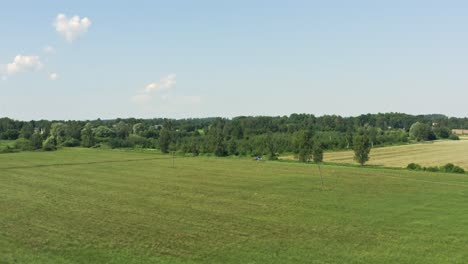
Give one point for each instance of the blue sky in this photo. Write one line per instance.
(219, 58)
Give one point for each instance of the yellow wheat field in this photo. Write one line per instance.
(426, 154)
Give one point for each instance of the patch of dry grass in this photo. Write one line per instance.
(427, 154)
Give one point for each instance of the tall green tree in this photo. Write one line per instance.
(49, 144)
(303, 145)
(317, 155)
(317, 151)
(36, 141)
(122, 130)
(87, 136)
(59, 132)
(362, 147)
(218, 138)
(165, 139)
(420, 131)
(27, 131)
(270, 146)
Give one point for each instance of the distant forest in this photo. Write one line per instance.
(243, 135)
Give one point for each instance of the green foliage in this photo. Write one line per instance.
(362, 147)
(270, 146)
(71, 142)
(317, 152)
(451, 168)
(442, 132)
(140, 142)
(232, 147)
(453, 137)
(303, 145)
(103, 132)
(245, 135)
(59, 132)
(27, 131)
(120, 143)
(165, 139)
(217, 138)
(414, 166)
(447, 168)
(7, 149)
(10, 134)
(23, 144)
(138, 129)
(49, 144)
(421, 132)
(432, 169)
(36, 141)
(122, 130)
(458, 169)
(87, 136)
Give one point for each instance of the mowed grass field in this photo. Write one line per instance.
(103, 206)
(427, 154)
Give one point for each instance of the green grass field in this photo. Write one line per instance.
(427, 154)
(103, 206)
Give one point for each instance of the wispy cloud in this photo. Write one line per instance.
(71, 28)
(166, 83)
(163, 85)
(21, 63)
(160, 92)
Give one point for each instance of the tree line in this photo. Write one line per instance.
(303, 134)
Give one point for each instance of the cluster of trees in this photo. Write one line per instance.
(303, 134)
(448, 168)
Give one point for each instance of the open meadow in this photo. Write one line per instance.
(102, 206)
(426, 154)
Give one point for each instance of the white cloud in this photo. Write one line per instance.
(151, 87)
(166, 83)
(48, 49)
(21, 63)
(163, 85)
(53, 76)
(160, 92)
(71, 28)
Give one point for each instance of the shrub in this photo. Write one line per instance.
(23, 144)
(432, 169)
(7, 149)
(449, 167)
(71, 142)
(414, 166)
(49, 144)
(139, 141)
(442, 132)
(36, 141)
(453, 137)
(458, 169)
(120, 143)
